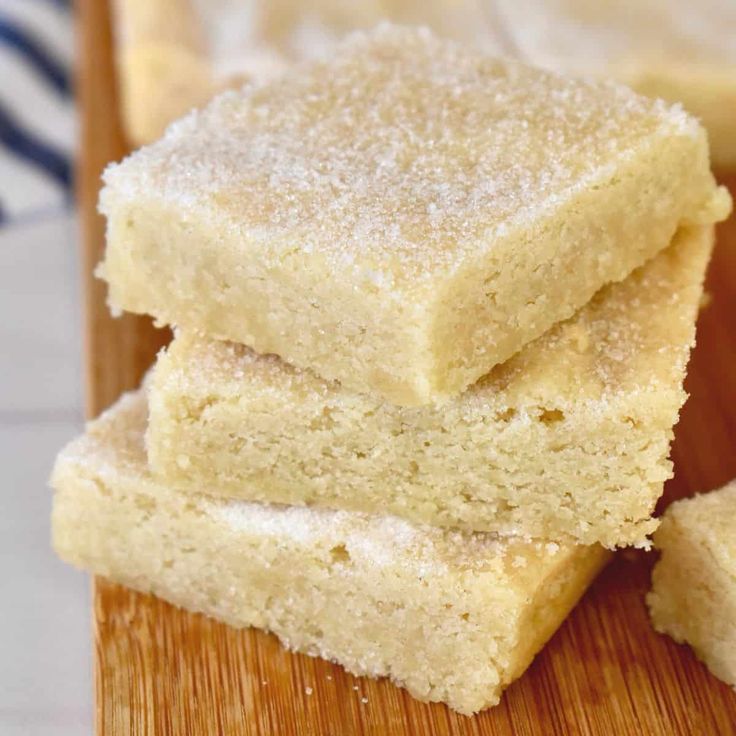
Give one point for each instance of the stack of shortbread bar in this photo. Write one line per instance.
(433, 315)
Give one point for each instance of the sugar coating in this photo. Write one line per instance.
(453, 146)
(693, 596)
(373, 593)
(568, 439)
(675, 49)
(404, 216)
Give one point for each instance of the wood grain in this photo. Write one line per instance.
(159, 670)
(117, 350)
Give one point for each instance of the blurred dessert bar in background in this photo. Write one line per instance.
(176, 54)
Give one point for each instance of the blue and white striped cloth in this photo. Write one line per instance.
(37, 121)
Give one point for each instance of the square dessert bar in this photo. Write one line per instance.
(163, 60)
(451, 616)
(174, 55)
(693, 596)
(403, 216)
(568, 439)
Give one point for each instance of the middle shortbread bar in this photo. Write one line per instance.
(569, 439)
(403, 216)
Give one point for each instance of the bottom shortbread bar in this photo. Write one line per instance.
(452, 616)
(693, 596)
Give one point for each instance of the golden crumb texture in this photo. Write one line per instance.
(693, 596)
(403, 216)
(569, 439)
(452, 616)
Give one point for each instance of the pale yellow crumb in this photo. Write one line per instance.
(693, 596)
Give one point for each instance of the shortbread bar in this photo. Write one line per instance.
(693, 596)
(166, 65)
(404, 216)
(570, 438)
(176, 54)
(451, 616)
(675, 49)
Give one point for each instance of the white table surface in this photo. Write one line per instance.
(45, 647)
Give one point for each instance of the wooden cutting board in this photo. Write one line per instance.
(159, 670)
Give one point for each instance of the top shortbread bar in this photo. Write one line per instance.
(403, 216)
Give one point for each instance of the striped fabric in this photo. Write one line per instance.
(37, 122)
